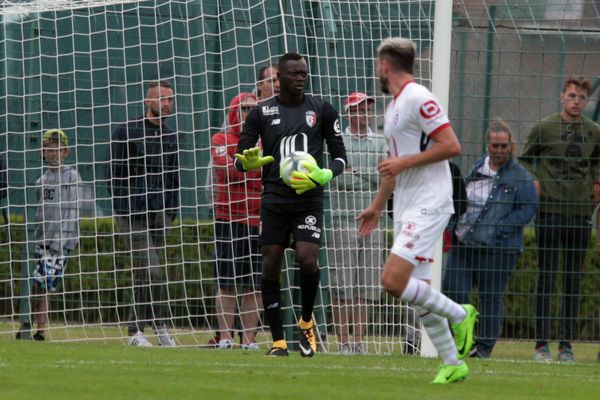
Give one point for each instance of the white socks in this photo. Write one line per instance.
(419, 293)
(439, 333)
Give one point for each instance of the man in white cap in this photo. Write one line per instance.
(355, 262)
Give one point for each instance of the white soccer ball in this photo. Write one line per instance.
(292, 162)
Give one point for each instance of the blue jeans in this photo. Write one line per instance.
(489, 270)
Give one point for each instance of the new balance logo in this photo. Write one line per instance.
(271, 306)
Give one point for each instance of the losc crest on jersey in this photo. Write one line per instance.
(311, 118)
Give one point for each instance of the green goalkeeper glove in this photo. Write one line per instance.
(303, 182)
(320, 175)
(251, 159)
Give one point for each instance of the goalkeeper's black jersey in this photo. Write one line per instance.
(283, 129)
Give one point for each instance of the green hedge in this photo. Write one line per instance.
(98, 281)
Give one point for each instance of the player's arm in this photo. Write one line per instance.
(248, 155)
(332, 132)
(317, 176)
(369, 218)
(445, 145)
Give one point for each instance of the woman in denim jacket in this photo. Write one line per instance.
(502, 200)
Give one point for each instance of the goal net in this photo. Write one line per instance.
(84, 67)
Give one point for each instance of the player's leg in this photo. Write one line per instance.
(274, 238)
(272, 256)
(307, 257)
(307, 228)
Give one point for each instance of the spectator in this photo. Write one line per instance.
(267, 83)
(502, 200)
(561, 153)
(145, 189)
(291, 121)
(237, 209)
(57, 224)
(355, 262)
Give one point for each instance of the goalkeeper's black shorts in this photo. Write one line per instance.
(279, 222)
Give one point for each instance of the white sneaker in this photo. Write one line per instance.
(225, 344)
(250, 346)
(139, 340)
(163, 337)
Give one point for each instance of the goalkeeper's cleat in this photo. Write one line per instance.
(279, 349)
(307, 342)
(464, 332)
(451, 373)
(163, 337)
(139, 340)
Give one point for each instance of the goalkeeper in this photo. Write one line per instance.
(291, 121)
(57, 226)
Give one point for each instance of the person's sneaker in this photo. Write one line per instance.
(225, 344)
(307, 342)
(542, 354)
(139, 340)
(346, 349)
(565, 354)
(250, 346)
(464, 332)
(358, 348)
(39, 336)
(451, 373)
(163, 337)
(279, 349)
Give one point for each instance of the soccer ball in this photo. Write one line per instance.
(293, 163)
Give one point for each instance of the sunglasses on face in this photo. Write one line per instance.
(246, 108)
(502, 146)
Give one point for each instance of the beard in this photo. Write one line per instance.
(383, 82)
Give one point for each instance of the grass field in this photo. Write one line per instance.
(66, 371)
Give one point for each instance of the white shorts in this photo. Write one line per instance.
(415, 238)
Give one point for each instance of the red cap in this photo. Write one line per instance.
(355, 99)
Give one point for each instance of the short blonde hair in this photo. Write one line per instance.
(399, 52)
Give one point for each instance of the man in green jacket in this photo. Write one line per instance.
(562, 154)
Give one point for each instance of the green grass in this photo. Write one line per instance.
(33, 370)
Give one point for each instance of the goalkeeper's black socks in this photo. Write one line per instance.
(309, 285)
(271, 294)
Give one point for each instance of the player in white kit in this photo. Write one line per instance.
(420, 141)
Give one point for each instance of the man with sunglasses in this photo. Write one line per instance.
(562, 153)
(501, 201)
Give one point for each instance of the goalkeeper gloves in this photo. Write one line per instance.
(303, 182)
(251, 159)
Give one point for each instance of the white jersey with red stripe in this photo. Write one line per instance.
(412, 119)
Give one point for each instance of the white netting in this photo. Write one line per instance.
(83, 67)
